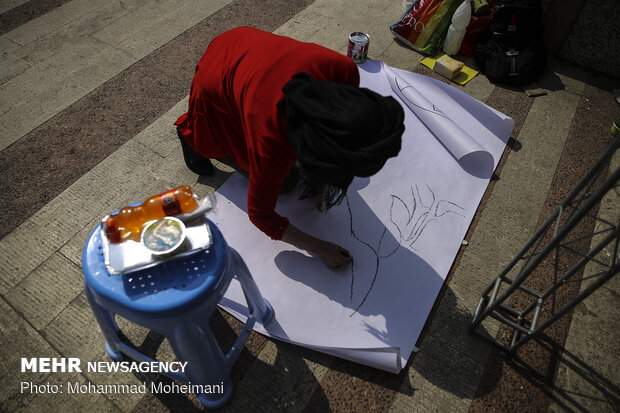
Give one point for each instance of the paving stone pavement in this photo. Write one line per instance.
(88, 94)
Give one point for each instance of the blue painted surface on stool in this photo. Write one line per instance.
(171, 287)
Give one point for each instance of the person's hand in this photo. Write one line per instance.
(331, 254)
(334, 256)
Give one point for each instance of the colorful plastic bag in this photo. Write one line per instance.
(424, 25)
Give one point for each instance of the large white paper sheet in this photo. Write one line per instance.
(403, 227)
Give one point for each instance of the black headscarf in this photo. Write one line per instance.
(339, 131)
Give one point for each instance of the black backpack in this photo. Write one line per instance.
(511, 51)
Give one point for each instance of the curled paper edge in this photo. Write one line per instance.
(458, 142)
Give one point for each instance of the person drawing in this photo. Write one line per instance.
(287, 114)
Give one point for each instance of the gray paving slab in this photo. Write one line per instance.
(444, 374)
(19, 339)
(72, 332)
(72, 249)
(165, 22)
(479, 87)
(397, 55)
(141, 17)
(444, 383)
(54, 42)
(10, 67)
(429, 397)
(6, 5)
(450, 327)
(53, 51)
(47, 23)
(161, 136)
(23, 250)
(305, 24)
(46, 291)
(329, 23)
(7, 46)
(172, 172)
(279, 366)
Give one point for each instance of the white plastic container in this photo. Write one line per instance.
(456, 31)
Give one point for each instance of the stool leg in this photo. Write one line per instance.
(250, 289)
(196, 345)
(108, 326)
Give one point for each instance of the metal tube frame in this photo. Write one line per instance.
(573, 209)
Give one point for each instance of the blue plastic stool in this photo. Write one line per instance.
(176, 299)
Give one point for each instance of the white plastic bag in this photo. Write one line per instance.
(456, 31)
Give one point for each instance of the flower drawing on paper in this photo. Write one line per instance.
(412, 215)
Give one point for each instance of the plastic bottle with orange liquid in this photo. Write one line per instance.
(127, 224)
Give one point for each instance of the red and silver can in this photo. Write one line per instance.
(358, 47)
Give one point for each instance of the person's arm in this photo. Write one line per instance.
(261, 212)
(331, 254)
(263, 192)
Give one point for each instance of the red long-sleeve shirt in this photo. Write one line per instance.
(232, 109)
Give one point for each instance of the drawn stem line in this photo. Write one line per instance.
(377, 255)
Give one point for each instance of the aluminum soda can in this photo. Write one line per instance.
(358, 47)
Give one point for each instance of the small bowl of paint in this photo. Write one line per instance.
(164, 237)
